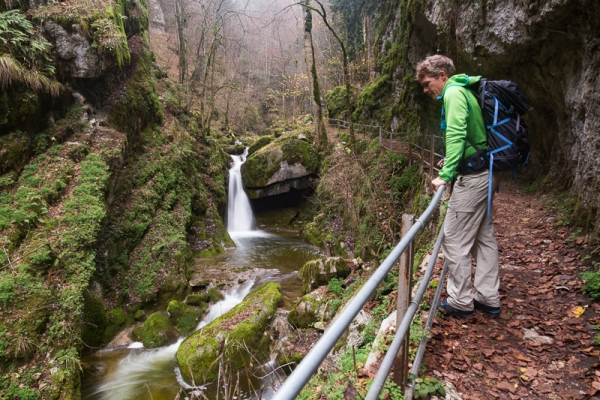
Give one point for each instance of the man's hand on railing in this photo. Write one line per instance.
(437, 182)
(440, 163)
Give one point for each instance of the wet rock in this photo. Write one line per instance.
(319, 272)
(158, 331)
(97, 370)
(184, 317)
(242, 334)
(122, 340)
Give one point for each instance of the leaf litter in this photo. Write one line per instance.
(541, 346)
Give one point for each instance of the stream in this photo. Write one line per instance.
(259, 256)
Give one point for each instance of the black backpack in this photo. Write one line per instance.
(502, 104)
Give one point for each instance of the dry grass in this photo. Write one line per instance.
(11, 73)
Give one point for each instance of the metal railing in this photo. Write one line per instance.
(303, 372)
(425, 145)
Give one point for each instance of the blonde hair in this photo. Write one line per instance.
(433, 65)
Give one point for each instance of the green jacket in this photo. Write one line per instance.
(463, 117)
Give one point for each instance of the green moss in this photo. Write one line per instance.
(336, 102)
(214, 295)
(157, 331)
(95, 320)
(140, 315)
(184, 317)
(115, 322)
(261, 166)
(197, 299)
(259, 144)
(307, 316)
(319, 272)
(138, 105)
(373, 98)
(241, 328)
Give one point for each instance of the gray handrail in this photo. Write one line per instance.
(301, 375)
(388, 360)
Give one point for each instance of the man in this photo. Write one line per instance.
(467, 227)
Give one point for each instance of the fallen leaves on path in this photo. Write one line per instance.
(541, 345)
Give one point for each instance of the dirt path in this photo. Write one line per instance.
(540, 289)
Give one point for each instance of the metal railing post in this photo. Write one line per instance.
(404, 291)
(300, 376)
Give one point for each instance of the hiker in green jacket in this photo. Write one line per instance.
(468, 230)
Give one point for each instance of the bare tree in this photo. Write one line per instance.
(311, 66)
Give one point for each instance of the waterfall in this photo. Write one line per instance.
(239, 212)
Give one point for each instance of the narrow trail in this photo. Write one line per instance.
(541, 291)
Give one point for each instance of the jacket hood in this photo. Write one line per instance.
(460, 80)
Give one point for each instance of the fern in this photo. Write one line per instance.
(24, 55)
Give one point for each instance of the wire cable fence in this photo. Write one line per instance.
(311, 362)
(425, 148)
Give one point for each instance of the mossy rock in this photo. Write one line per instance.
(283, 159)
(235, 150)
(158, 331)
(309, 309)
(197, 299)
(13, 152)
(140, 315)
(116, 321)
(184, 317)
(319, 272)
(214, 295)
(259, 144)
(242, 328)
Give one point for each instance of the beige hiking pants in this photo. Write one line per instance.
(468, 232)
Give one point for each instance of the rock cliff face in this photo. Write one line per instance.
(550, 47)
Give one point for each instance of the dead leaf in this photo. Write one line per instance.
(506, 386)
(578, 311)
(596, 385)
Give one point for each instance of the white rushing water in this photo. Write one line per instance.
(144, 367)
(239, 211)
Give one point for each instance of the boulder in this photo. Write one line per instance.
(158, 331)
(319, 272)
(310, 309)
(184, 317)
(242, 333)
(197, 299)
(285, 163)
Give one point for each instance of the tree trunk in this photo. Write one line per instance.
(311, 66)
(181, 24)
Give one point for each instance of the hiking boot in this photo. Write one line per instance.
(454, 312)
(491, 311)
